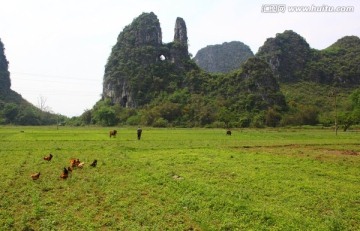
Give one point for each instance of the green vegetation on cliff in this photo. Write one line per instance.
(338, 64)
(287, 54)
(4, 73)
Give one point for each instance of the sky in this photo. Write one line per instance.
(57, 49)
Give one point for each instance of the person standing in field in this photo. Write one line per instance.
(139, 131)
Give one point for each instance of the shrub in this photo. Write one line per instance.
(218, 124)
(258, 121)
(272, 118)
(161, 123)
(133, 120)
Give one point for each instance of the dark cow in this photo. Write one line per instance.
(112, 133)
(228, 133)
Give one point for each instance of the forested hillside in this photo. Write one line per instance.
(339, 64)
(319, 85)
(13, 108)
(292, 60)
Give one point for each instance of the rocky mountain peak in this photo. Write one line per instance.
(5, 82)
(180, 32)
(140, 63)
(287, 54)
(147, 30)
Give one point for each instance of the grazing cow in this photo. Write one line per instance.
(113, 133)
(139, 131)
(228, 133)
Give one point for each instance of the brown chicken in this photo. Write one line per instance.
(93, 164)
(35, 176)
(48, 158)
(74, 162)
(65, 174)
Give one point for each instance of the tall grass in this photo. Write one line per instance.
(180, 179)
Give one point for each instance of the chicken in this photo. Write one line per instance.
(74, 162)
(48, 158)
(65, 174)
(35, 176)
(81, 165)
(93, 164)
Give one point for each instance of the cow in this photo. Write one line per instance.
(112, 133)
(228, 133)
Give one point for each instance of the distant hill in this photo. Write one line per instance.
(13, 108)
(292, 60)
(339, 64)
(223, 58)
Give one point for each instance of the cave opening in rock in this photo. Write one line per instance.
(124, 100)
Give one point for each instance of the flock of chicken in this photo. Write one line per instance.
(74, 163)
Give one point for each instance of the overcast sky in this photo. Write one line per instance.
(57, 49)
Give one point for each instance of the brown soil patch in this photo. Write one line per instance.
(350, 152)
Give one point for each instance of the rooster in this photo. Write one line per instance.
(48, 158)
(35, 176)
(65, 174)
(93, 164)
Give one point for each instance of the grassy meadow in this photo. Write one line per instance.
(180, 179)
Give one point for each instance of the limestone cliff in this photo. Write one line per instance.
(140, 65)
(5, 82)
(223, 58)
(179, 48)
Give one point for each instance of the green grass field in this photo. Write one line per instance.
(180, 179)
